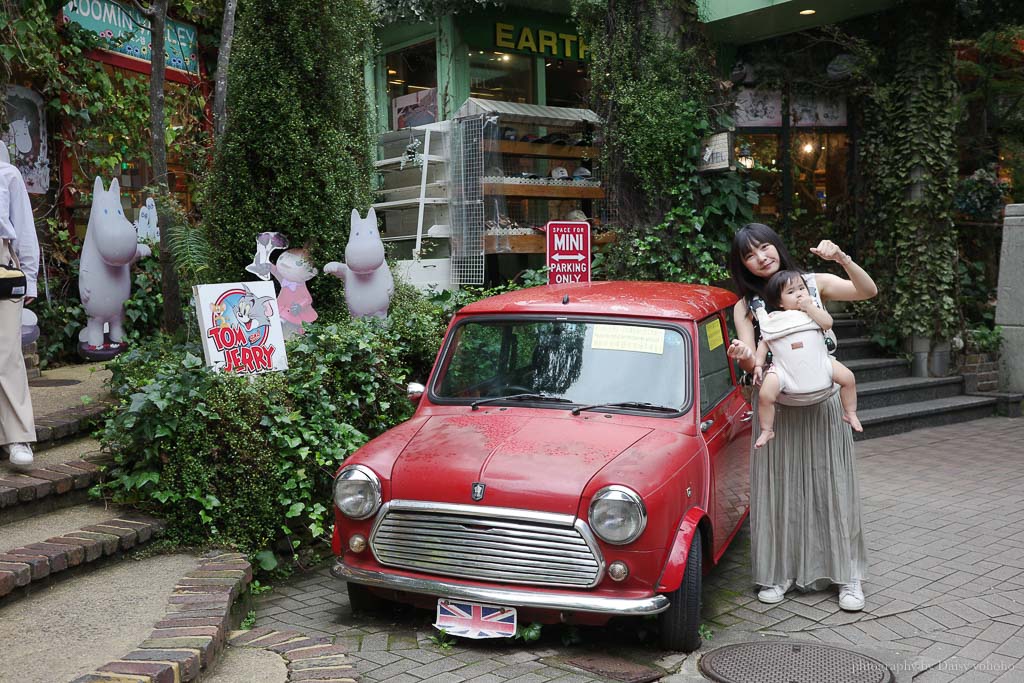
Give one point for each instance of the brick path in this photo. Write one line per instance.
(944, 514)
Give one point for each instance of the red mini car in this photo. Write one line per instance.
(580, 452)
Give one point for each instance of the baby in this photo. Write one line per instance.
(793, 332)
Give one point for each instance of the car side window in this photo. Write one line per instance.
(730, 325)
(715, 377)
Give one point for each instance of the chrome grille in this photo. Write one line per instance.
(488, 544)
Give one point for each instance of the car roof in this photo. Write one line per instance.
(624, 298)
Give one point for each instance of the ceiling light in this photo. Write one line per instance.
(808, 12)
(808, 148)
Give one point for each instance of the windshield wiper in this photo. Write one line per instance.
(643, 405)
(519, 397)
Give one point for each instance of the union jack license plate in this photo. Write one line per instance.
(473, 620)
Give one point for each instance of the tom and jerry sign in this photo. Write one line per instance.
(241, 327)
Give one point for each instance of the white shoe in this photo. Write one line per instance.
(21, 454)
(771, 595)
(851, 597)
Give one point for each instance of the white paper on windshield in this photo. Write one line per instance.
(628, 338)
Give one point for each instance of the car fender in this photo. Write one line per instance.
(675, 566)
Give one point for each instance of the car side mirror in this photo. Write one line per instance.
(415, 392)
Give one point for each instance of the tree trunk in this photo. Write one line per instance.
(220, 87)
(172, 318)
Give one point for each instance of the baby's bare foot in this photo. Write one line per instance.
(766, 436)
(851, 419)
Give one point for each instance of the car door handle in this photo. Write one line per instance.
(747, 416)
(706, 425)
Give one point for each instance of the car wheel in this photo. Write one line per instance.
(361, 599)
(680, 623)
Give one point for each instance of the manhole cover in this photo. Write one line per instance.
(615, 668)
(46, 382)
(781, 662)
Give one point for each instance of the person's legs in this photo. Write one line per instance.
(770, 387)
(17, 426)
(843, 376)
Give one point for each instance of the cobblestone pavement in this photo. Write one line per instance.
(944, 515)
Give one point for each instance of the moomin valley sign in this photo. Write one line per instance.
(127, 31)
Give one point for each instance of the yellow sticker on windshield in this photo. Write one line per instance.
(628, 338)
(713, 331)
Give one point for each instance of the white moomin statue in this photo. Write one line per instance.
(367, 278)
(111, 246)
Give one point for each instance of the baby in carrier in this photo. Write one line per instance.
(793, 333)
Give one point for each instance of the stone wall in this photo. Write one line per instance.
(1010, 295)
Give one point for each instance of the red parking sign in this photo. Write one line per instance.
(568, 251)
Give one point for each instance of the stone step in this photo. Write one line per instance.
(857, 348)
(59, 477)
(38, 549)
(67, 402)
(936, 412)
(889, 392)
(849, 328)
(877, 369)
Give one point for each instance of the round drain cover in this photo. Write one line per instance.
(782, 662)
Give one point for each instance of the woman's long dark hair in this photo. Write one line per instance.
(746, 240)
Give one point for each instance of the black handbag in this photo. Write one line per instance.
(13, 282)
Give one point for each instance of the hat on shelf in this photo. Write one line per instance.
(509, 133)
(528, 174)
(559, 173)
(576, 215)
(582, 173)
(494, 171)
(529, 137)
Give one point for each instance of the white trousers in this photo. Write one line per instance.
(16, 422)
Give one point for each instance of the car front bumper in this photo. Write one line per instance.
(510, 597)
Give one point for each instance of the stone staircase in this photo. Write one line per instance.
(71, 607)
(890, 401)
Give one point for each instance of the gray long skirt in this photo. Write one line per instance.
(805, 519)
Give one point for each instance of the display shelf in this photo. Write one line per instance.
(409, 203)
(533, 149)
(548, 191)
(397, 161)
(531, 244)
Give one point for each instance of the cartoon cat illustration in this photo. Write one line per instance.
(253, 312)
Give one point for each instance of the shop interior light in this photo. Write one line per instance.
(505, 58)
(808, 12)
(397, 82)
(392, 72)
(808, 148)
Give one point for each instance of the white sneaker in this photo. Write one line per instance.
(21, 454)
(851, 597)
(771, 595)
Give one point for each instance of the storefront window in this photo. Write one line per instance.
(412, 85)
(567, 83)
(501, 76)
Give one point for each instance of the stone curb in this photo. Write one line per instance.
(193, 631)
(316, 660)
(19, 567)
(56, 427)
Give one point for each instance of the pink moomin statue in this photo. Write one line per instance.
(368, 281)
(111, 246)
(293, 270)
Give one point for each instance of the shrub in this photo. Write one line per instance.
(980, 195)
(249, 461)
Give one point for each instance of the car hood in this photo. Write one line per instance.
(529, 462)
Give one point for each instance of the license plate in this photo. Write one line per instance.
(473, 620)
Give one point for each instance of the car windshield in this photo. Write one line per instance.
(585, 362)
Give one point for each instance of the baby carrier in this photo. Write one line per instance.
(800, 351)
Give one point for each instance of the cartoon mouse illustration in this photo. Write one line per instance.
(368, 281)
(253, 312)
(293, 270)
(219, 319)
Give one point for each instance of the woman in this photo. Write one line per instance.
(805, 524)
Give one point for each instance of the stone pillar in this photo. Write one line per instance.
(1010, 305)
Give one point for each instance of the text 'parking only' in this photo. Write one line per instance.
(568, 251)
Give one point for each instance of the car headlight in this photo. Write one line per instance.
(357, 492)
(617, 515)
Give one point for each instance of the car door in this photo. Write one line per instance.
(725, 426)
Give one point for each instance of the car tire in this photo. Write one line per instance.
(361, 599)
(680, 623)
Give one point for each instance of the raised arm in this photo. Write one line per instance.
(742, 348)
(860, 286)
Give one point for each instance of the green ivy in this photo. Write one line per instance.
(907, 155)
(295, 155)
(659, 104)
